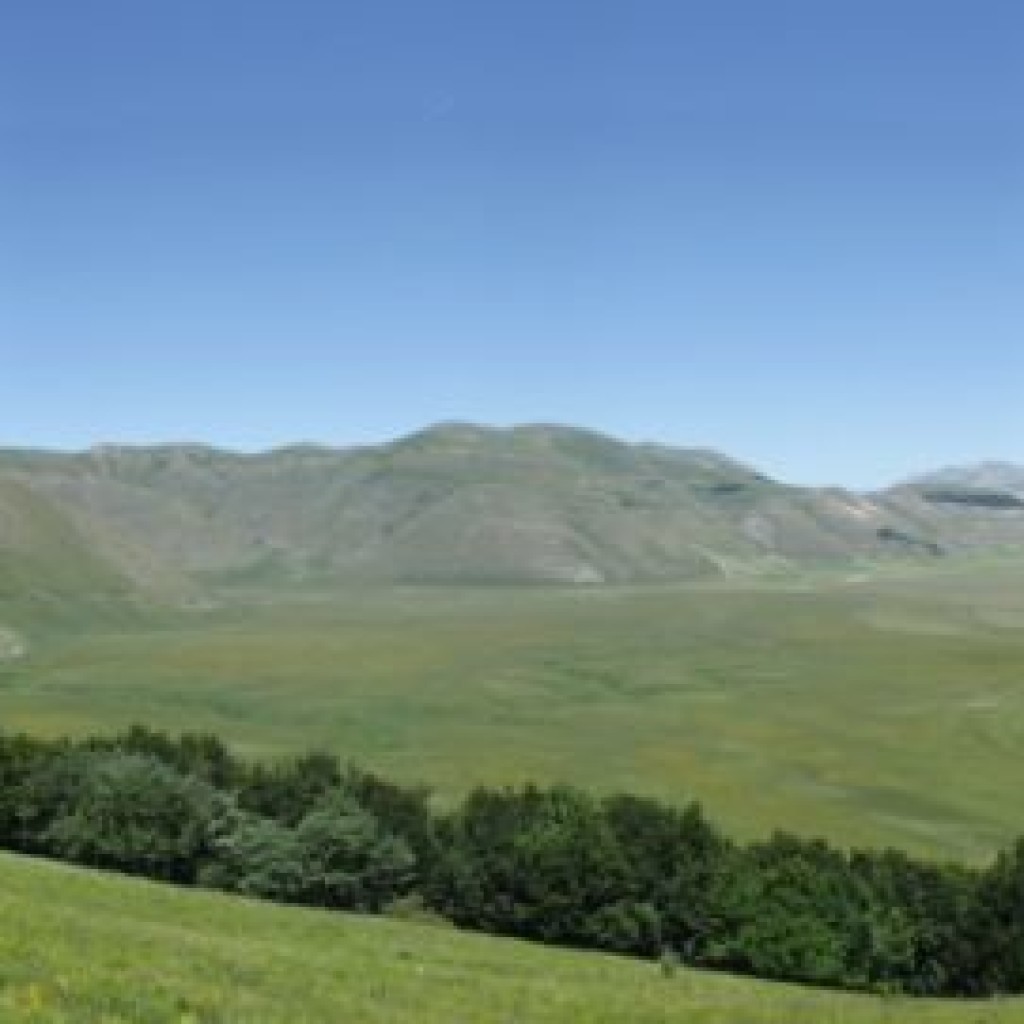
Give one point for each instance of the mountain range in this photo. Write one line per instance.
(457, 503)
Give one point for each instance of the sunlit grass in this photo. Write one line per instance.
(80, 947)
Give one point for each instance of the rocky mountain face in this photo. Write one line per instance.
(459, 503)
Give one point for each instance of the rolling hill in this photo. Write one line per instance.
(469, 504)
(162, 955)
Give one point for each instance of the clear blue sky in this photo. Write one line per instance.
(793, 231)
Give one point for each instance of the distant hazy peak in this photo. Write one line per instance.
(992, 475)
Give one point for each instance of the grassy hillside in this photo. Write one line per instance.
(465, 504)
(871, 708)
(50, 575)
(156, 954)
(40, 550)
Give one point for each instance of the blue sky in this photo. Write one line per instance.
(793, 231)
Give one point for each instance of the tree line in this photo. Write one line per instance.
(624, 873)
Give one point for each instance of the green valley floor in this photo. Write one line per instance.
(875, 707)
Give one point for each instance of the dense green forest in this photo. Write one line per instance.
(622, 873)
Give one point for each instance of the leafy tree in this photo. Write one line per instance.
(792, 911)
(348, 860)
(289, 790)
(542, 864)
(917, 922)
(403, 811)
(672, 858)
(48, 786)
(133, 813)
(997, 926)
(625, 926)
(256, 857)
(200, 754)
(23, 812)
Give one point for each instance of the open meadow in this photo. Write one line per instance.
(872, 707)
(161, 955)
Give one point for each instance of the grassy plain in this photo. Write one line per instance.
(81, 947)
(873, 707)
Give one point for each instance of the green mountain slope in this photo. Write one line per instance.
(461, 503)
(84, 947)
(50, 571)
(40, 549)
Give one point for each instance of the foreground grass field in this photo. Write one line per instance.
(80, 947)
(872, 708)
